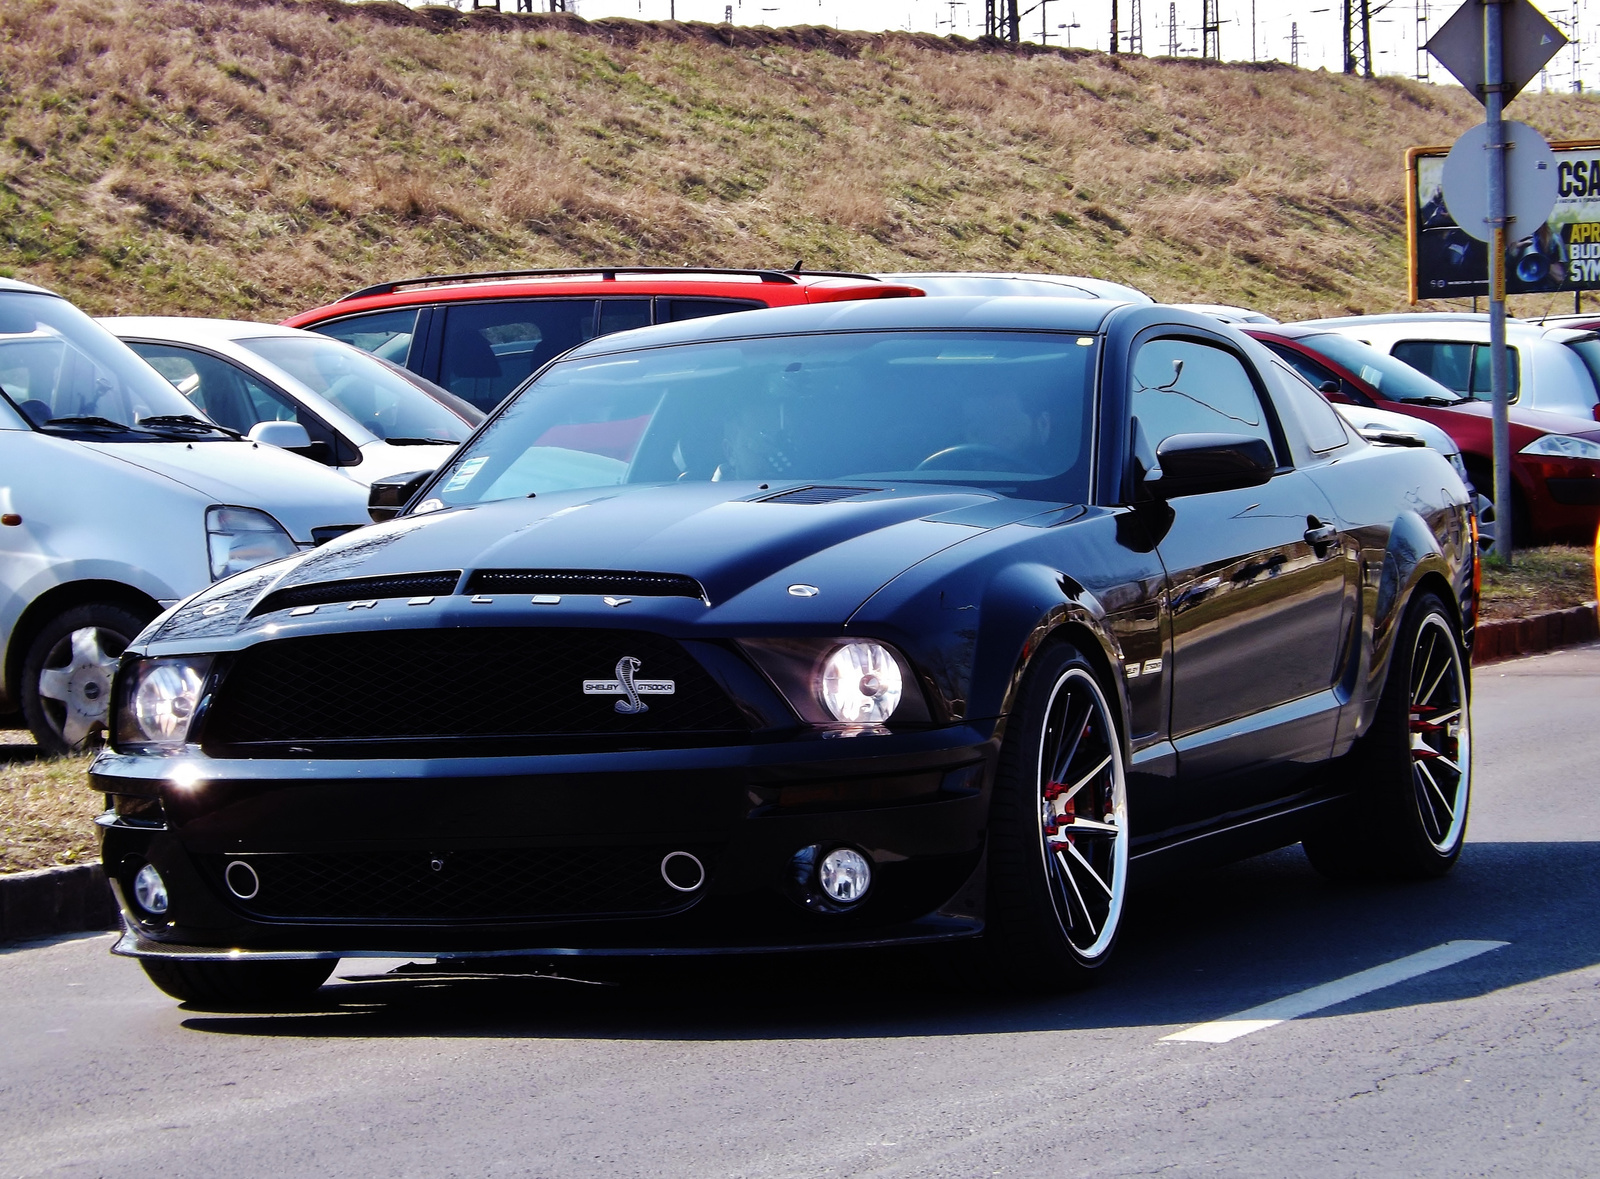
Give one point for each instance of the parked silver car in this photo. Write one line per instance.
(1060, 286)
(362, 417)
(117, 500)
(1552, 368)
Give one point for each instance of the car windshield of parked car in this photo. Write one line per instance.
(67, 374)
(1393, 379)
(1009, 412)
(385, 403)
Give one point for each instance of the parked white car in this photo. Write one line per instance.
(1058, 286)
(363, 417)
(1552, 368)
(117, 500)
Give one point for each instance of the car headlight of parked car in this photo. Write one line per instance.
(157, 702)
(1563, 446)
(841, 682)
(242, 538)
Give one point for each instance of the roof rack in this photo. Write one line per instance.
(606, 273)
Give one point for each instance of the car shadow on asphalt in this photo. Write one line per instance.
(1192, 950)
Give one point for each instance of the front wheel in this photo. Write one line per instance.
(66, 674)
(1413, 768)
(1058, 843)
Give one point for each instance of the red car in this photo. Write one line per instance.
(482, 335)
(1555, 458)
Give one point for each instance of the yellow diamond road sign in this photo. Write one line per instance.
(1528, 38)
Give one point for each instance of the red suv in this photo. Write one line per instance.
(482, 335)
(1555, 494)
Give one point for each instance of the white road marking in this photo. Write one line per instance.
(1231, 1027)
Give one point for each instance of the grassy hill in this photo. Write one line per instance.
(256, 158)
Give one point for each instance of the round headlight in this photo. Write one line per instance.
(861, 683)
(150, 891)
(165, 701)
(844, 875)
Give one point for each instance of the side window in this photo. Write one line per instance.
(383, 333)
(1323, 427)
(1316, 375)
(491, 348)
(619, 315)
(673, 310)
(1458, 365)
(222, 391)
(1181, 387)
(1483, 375)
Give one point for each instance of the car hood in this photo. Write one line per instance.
(298, 493)
(379, 460)
(745, 550)
(1542, 420)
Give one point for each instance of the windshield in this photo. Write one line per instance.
(385, 403)
(67, 374)
(1005, 411)
(1394, 379)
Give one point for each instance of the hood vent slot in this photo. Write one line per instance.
(357, 589)
(584, 581)
(817, 495)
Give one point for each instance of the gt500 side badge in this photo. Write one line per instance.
(626, 685)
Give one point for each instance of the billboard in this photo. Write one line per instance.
(1563, 254)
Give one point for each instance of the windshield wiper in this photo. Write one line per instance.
(1433, 400)
(421, 442)
(187, 421)
(91, 421)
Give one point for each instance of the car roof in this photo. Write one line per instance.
(11, 284)
(1071, 286)
(1439, 325)
(196, 328)
(949, 312)
(598, 281)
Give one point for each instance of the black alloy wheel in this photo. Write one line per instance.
(66, 675)
(1408, 818)
(1058, 850)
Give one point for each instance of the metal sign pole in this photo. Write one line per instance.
(1494, 104)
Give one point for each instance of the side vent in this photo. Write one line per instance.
(817, 495)
(584, 581)
(356, 589)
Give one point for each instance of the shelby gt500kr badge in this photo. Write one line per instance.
(626, 685)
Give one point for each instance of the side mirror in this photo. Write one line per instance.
(1195, 464)
(1329, 387)
(391, 493)
(285, 435)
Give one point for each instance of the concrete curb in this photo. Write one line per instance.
(49, 901)
(1507, 638)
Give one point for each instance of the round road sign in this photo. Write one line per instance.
(1530, 181)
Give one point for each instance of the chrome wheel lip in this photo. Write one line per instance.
(1054, 872)
(75, 696)
(1437, 634)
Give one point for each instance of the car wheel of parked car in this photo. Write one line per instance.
(1058, 842)
(1409, 817)
(238, 984)
(66, 675)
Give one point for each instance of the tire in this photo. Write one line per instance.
(1058, 869)
(238, 984)
(66, 675)
(1408, 818)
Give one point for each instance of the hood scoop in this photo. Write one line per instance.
(601, 582)
(358, 589)
(817, 495)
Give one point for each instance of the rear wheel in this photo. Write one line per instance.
(1409, 816)
(1058, 842)
(238, 984)
(66, 674)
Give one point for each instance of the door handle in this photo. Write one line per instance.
(1319, 535)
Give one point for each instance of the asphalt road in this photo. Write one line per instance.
(1490, 1066)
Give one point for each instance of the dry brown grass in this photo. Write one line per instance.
(46, 809)
(256, 157)
(1552, 578)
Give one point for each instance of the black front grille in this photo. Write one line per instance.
(583, 581)
(357, 589)
(486, 884)
(482, 683)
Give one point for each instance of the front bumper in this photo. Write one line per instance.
(369, 833)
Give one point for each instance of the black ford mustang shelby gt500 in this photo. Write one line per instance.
(889, 622)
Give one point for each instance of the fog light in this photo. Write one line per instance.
(844, 875)
(150, 891)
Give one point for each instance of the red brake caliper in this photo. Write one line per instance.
(1420, 724)
(1053, 824)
